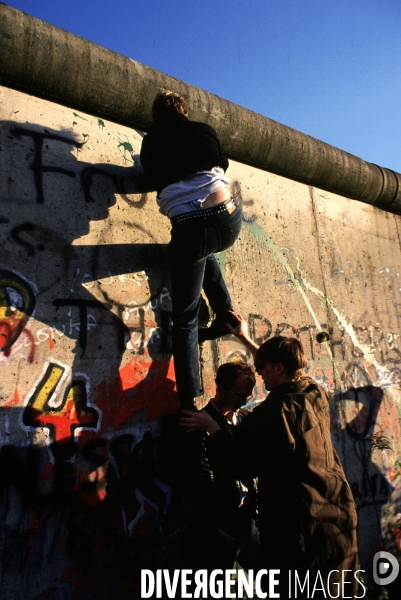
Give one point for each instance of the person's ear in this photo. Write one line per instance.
(280, 368)
(220, 389)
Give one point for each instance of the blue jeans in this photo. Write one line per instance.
(193, 266)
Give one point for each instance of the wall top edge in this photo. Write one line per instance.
(41, 59)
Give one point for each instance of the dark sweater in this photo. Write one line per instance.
(175, 148)
(226, 485)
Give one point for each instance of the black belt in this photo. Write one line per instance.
(227, 207)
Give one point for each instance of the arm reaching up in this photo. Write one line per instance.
(240, 330)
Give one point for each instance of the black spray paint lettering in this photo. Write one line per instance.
(261, 329)
(25, 227)
(83, 306)
(37, 165)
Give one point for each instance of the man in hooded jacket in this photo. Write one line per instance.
(307, 515)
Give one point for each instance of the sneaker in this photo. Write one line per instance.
(218, 328)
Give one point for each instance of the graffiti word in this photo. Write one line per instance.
(83, 325)
(88, 281)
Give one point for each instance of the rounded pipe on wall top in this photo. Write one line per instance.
(41, 59)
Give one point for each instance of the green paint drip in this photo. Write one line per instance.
(79, 116)
(101, 124)
(6, 35)
(265, 242)
(127, 148)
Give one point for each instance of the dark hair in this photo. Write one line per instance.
(285, 350)
(228, 373)
(168, 103)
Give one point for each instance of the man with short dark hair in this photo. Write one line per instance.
(234, 386)
(307, 515)
(218, 508)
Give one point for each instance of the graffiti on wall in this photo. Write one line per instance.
(88, 347)
(17, 303)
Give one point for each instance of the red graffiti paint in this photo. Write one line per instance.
(142, 386)
(14, 400)
(71, 414)
(394, 473)
(51, 341)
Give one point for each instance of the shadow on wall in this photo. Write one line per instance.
(106, 502)
(376, 490)
(84, 349)
(43, 264)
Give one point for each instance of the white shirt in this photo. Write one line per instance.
(188, 194)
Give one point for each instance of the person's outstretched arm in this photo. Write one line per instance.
(241, 332)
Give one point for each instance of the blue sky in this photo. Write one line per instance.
(329, 68)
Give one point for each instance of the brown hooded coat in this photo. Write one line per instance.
(307, 515)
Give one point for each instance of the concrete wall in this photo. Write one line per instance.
(85, 369)
(86, 372)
